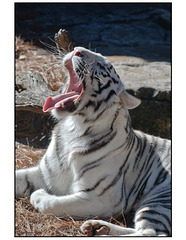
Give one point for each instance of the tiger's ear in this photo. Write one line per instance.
(129, 101)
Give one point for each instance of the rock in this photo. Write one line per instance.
(33, 127)
(32, 92)
(142, 30)
(137, 72)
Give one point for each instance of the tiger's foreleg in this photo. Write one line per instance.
(78, 204)
(27, 181)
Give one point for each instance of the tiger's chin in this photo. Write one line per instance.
(60, 113)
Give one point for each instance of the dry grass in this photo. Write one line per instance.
(28, 221)
(31, 223)
(30, 58)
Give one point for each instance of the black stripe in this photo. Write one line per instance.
(118, 175)
(122, 188)
(92, 163)
(86, 166)
(166, 232)
(105, 75)
(115, 180)
(99, 82)
(161, 176)
(80, 114)
(46, 163)
(114, 80)
(98, 105)
(135, 185)
(152, 144)
(154, 212)
(115, 117)
(112, 92)
(155, 221)
(143, 181)
(90, 103)
(165, 193)
(30, 187)
(86, 132)
(140, 152)
(104, 87)
(87, 169)
(128, 124)
(160, 202)
(80, 67)
(139, 143)
(46, 186)
(93, 120)
(109, 68)
(84, 85)
(130, 138)
(150, 160)
(97, 117)
(95, 186)
(94, 95)
(167, 207)
(100, 66)
(141, 187)
(92, 79)
(96, 145)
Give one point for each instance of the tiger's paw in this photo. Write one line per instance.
(42, 201)
(94, 227)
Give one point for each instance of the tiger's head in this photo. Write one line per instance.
(93, 83)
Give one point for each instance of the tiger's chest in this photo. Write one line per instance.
(90, 154)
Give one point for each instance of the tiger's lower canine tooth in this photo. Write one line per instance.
(62, 105)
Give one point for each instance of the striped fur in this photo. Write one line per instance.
(96, 164)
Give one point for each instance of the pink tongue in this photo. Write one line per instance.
(59, 101)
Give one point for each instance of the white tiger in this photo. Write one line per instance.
(96, 164)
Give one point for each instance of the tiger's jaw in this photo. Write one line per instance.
(68, 100)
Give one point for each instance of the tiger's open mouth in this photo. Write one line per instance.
(66, 101)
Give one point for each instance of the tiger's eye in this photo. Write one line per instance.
(78, 54)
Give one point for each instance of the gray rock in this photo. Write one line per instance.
(33, 127)
(142, 30)
(137, 72)
(32, 92)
